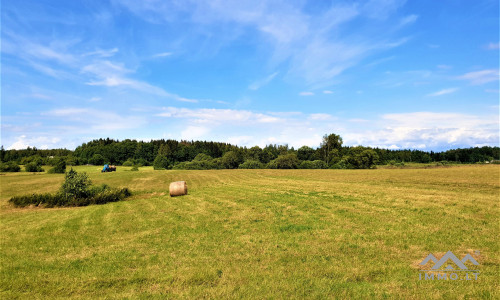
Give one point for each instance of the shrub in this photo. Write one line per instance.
(76, 185)
(230, 160)
(135, 168)
(59, 166)
(33, 167)
(195, 165)
(316, 164)
(73, 161)
(75, 191)
(251, 164)
(360, 158)
(162, 162)
(287, 161)
(129, 162)
(202, 157)
(9, 167)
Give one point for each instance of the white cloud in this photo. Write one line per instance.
(481, 77)
(493, 46)
(320, 117)
(408, 20)
(87, 120)
(428, 130)
(262, 82)
(163, 54)
(102, 53)
(444, 67)
(306, 94)
(194, 132)
(327, 92)
(443, 92)
(41, 142)
(107, 73)
(215, 116)
(316, 46)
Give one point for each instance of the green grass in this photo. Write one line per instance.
(254, 234)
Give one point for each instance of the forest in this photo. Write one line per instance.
(172, 154)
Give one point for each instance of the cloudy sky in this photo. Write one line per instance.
(395, 74)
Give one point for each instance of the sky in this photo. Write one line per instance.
(382, 73)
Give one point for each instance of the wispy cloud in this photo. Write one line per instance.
(163, 54)
(408, 20)
(262, 82)
(306, 94)
(109, 74)
(327, 92)
(313, 47)
(102, 53)
(88, 120)
(428, 130)
(320, 117)
(443, 92)
(481, 77)
(493, 46)
(213, 115)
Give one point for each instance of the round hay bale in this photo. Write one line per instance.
(178, 188)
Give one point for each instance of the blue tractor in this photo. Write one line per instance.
(108, 168)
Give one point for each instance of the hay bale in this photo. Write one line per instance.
(178, 188)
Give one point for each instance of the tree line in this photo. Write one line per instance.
(172, 154)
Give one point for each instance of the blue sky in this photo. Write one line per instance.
(385, 73)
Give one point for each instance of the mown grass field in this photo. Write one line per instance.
(254, 234)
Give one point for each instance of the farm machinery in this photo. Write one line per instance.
(108, 168)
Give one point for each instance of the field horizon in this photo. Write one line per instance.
(254, 234)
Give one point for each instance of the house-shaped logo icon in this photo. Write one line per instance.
(444, 260)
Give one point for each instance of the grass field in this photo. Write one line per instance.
(255, 234)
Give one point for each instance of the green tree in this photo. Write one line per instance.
(96, 159)
(305, 153)
(230, 160)
(162, 162)
(76, 185)
(202, 157)
(251, 164)
(287, 161)
(330, 142)
(360, 158)
(59, 166)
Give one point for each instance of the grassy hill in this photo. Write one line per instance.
(254, 234)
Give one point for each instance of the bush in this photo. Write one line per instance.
(129, 162)
(287, 161)
(202, 157)
(196, 165)
(59, 199)
(76, 185)
(33, 167)
(251, 164)
(360, 158)
(9, 167)
(230, 160)
(73, 161)
(75, 191)
(59, 166)
(316, 164)
(162, 162)
(135, 168)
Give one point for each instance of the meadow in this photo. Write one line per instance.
(254, 234)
